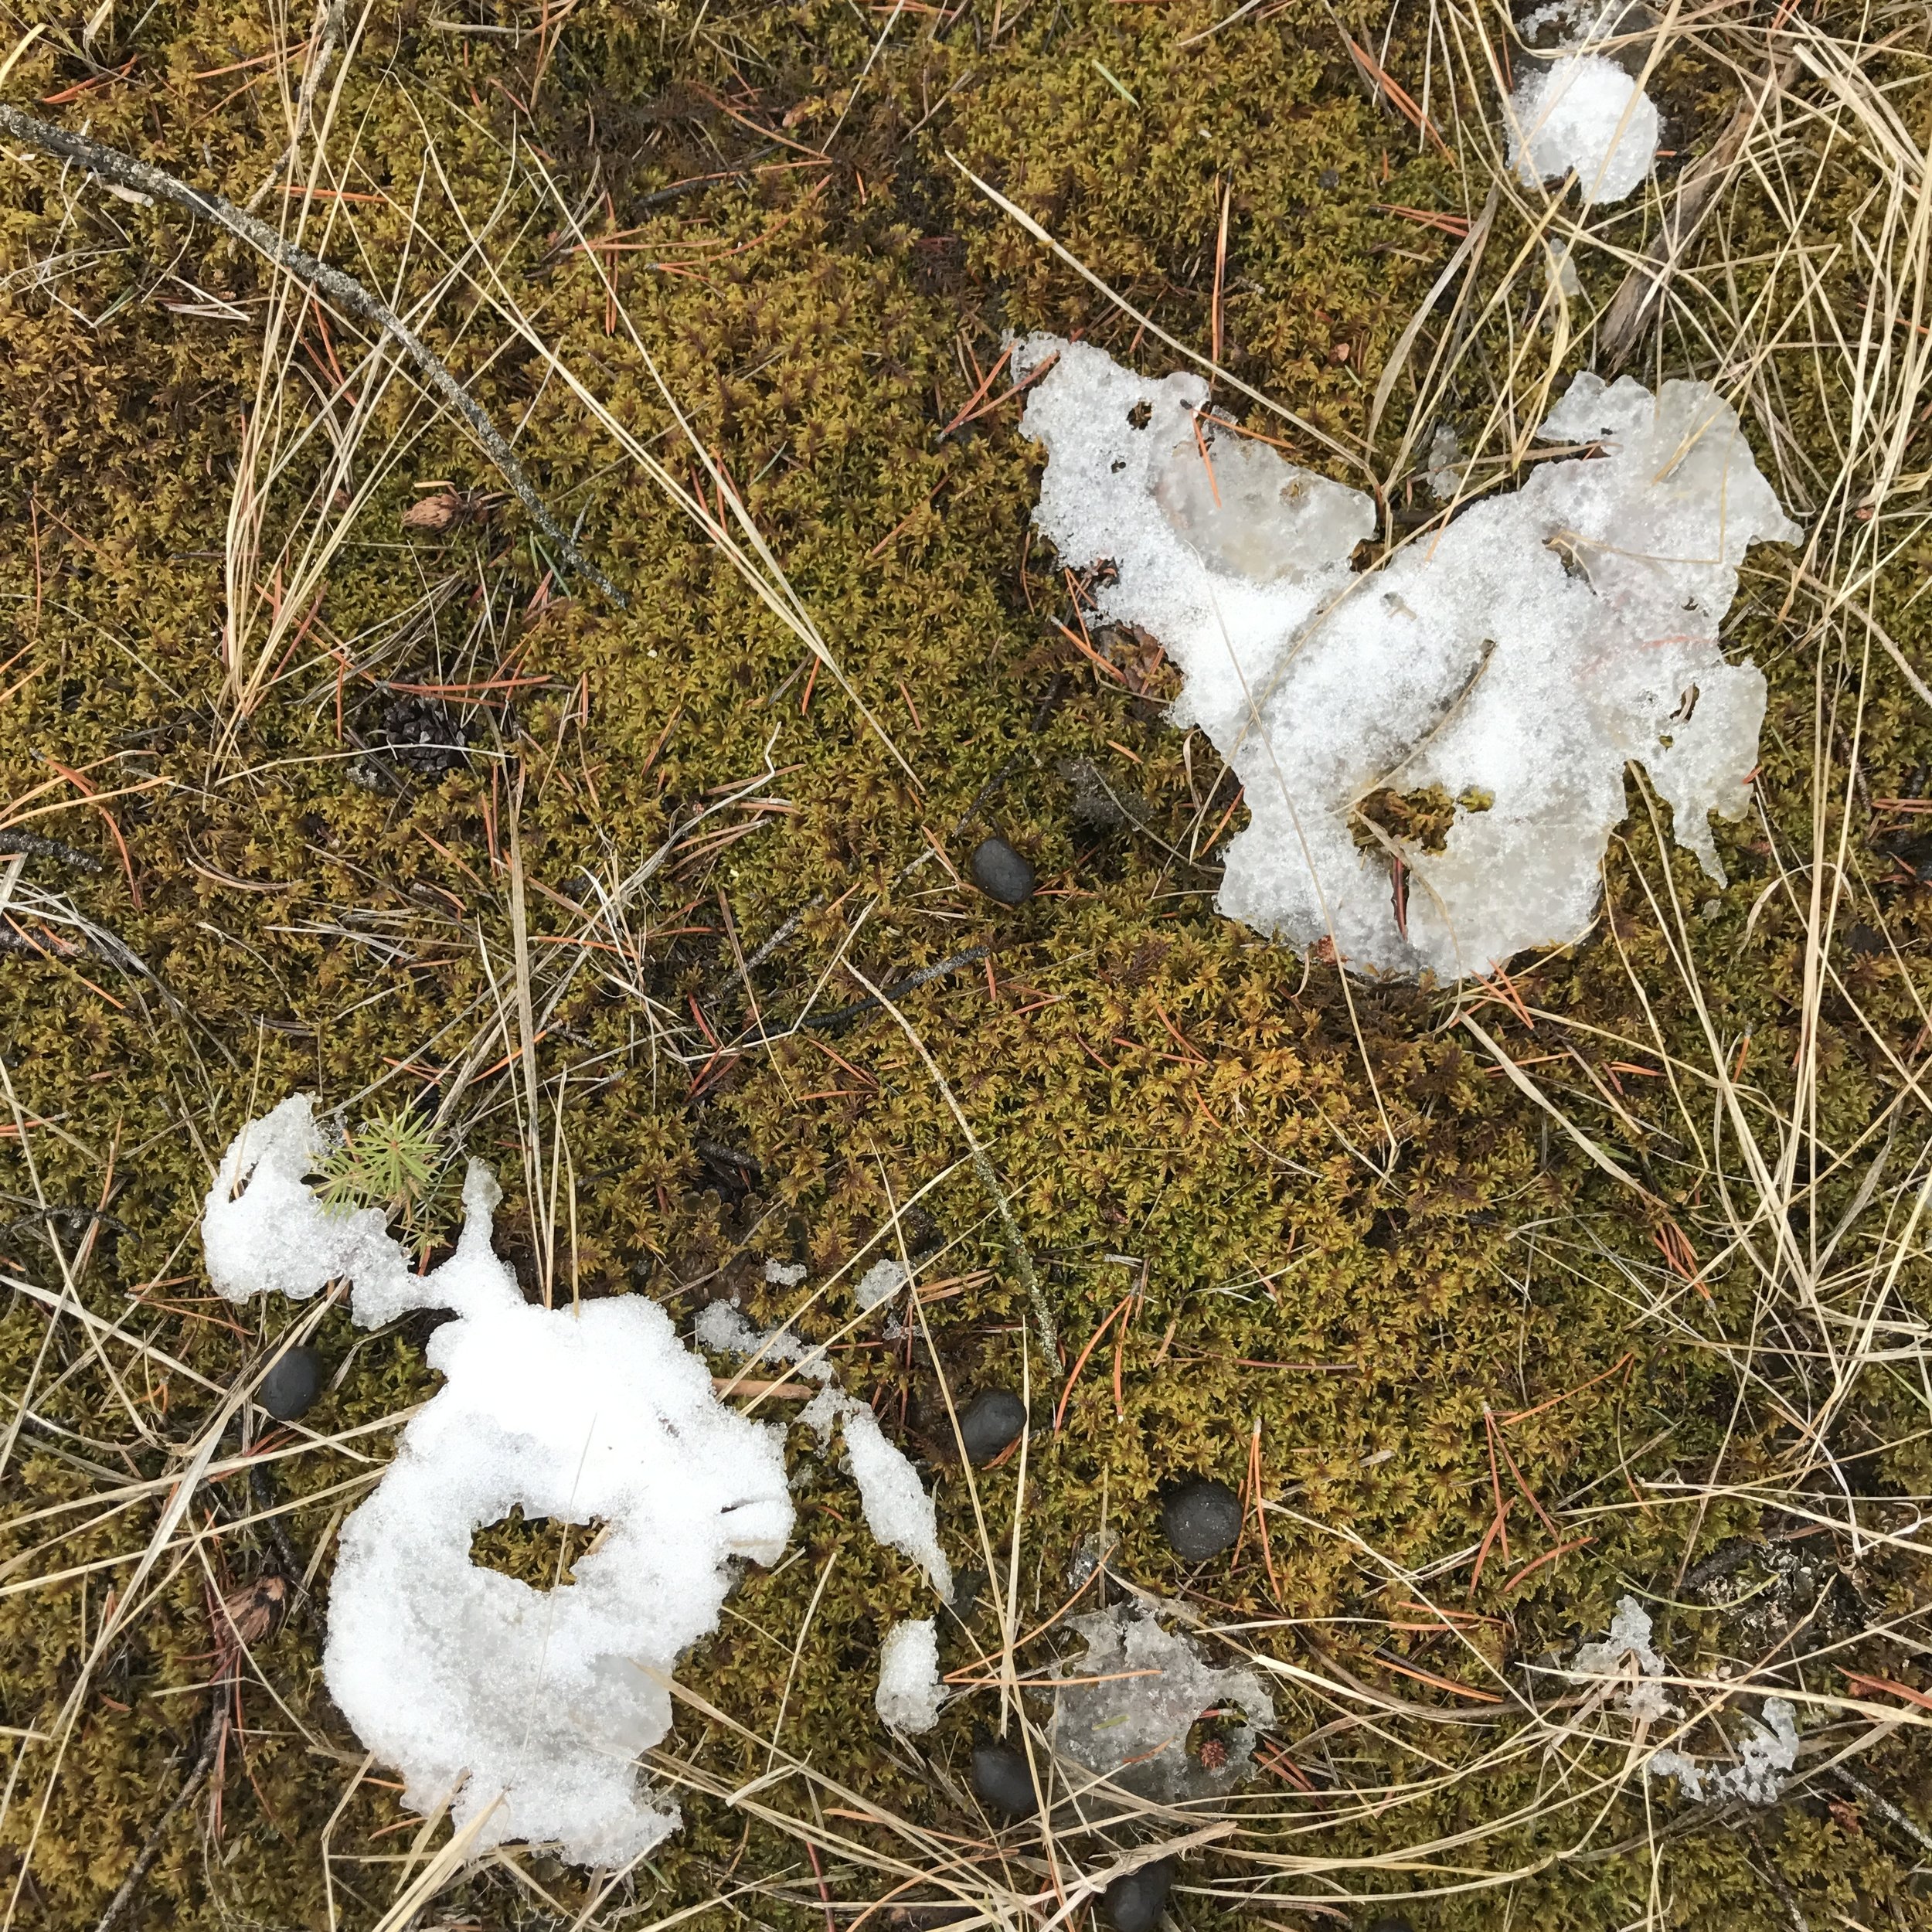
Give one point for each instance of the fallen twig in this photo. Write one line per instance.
(144, 1859)
(123, 171)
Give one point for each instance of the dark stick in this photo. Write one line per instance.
(843, 1015)
(31, 843)
(145, 1859)
(348, 294)
(261, 1490)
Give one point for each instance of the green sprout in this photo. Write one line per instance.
(392, 1161)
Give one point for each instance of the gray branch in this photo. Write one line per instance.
(344, 290)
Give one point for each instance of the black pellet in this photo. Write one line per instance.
(1202, 1519)
(1000, 872)
(290, 1389)
(1135, 1900)
(1002, 1777)
(992, 1419)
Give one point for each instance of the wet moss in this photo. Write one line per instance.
(1353, 1242)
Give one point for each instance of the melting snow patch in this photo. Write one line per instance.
(527, 1709)
(1585, 113)
(1629, 1639)
(909, 1693)
(1505, 667)
(1758, 1776)
(1131, 1724)
(473, 1684)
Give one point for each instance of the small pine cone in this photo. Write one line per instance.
(251, 1611)
(442, 512)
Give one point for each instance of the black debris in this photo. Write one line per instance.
(1202, 1519)
(992, 1419)
(1002, 1777)
(290, 1389)
(1135, 1900)
(1000, 872)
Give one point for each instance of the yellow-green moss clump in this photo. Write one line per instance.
(1352, 1243)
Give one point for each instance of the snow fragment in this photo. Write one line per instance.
(1675, 1763)
(1583, 112)
(264, 1229)
(525, 1708)
(1444, 473)
(1507, 667)
(721, 1327)
(909, 1693)
(879, 1283)
(1628, 1642)
(1148, 1689)
(898, 1510)
(785, 1274)
(1766, 1756)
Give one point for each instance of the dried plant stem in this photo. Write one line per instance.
(348, 294)
(1016, 1249)
(1636, 301)
(331, 17)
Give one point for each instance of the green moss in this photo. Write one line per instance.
(1354, 1240)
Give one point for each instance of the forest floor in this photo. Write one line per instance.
(328, 770)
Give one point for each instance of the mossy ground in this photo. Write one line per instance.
(1350, 1238)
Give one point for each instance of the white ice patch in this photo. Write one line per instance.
(1628, 1643)
(909, 1693)
(1767, 1756)
(723, 1328)
(1515, 660)
(898, 1510)
(880, 1283)
(523, 1707)
(528, 1706)
(1145, 1689)
(1583, 112)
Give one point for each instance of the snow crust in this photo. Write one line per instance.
(527, 1709)
(1583, 112)
(1133, 1728)
(909, 1693)
(1516, 659)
